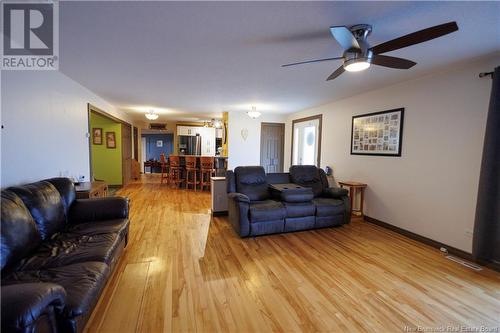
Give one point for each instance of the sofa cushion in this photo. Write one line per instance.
(267, 227)
(299, 223)
(45, 205)
(19, 234)
(66, 249)
(266, 211)
(252, 182)
(299, 209)
(83, 283)
(307, 176)
(117, 226)
(328, 206)
(66, 189)
(303, 194)
(278, 177)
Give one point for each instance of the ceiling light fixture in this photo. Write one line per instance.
(254, 114)
(356, 65)
(216, 123)
(152, 115)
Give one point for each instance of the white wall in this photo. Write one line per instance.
(44, 114)
(431, 189)
(247, 152)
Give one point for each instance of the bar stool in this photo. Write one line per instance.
(175, 170)
(165, 172)
(191, 170)
(207, 171)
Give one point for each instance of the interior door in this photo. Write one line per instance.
(126, 154)
(306, 142)
(272, 146)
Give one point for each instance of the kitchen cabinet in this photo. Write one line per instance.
(187, 130)
(207, 141)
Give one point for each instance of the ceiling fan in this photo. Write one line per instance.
(358, 55)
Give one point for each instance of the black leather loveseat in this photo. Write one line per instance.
(254, 209)
(57, 253)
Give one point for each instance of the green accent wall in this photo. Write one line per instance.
(106, 162)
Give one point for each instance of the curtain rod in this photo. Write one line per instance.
(484, 74)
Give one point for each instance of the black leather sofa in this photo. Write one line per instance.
(255, 210)
(57, 253)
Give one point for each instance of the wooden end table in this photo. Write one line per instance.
(354, 187)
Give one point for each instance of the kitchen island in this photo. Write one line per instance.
(220, 163)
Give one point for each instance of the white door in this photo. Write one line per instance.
(143, 153)
(306, 136)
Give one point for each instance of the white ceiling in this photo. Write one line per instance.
(196, 59)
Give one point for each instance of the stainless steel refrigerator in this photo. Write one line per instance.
(190, 145)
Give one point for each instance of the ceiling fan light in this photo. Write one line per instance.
(357, 66)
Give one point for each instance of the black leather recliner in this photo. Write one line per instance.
(254, 210)
(57, 253)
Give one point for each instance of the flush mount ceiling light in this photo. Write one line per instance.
(254, 114)
(152, 115)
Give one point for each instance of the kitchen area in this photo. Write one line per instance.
(204, 139)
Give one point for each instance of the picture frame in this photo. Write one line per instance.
(378, 133)
(110, 140)
(97, 136)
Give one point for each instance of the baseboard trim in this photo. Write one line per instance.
(422, 239)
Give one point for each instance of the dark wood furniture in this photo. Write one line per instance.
(206, 171)
(164, 169)
(175, 170)
(192, 170)
(89, 190)
(354, 188)
(151, 165)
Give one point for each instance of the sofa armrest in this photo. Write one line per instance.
(238, 207)
(335, 192)
(23, 304)
(239, 197)
(98, 209)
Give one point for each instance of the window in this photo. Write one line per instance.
(306, 141)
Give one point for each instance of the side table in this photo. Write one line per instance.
(354, 188)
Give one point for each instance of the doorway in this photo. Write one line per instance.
(306, 141)
(110, 148)
(272, 142)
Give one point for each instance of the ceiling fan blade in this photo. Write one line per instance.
(392, 62)
(344, 37)
(416, 37)
(337, 72)
(310, 61)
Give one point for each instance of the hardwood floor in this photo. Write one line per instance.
(184, 271)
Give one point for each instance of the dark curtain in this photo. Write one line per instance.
(486, 245)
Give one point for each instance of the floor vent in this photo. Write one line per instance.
(464, 263)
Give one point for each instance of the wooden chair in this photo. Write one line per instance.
(165, 172)
(207, 171)
(175, 170)
(191, 170)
